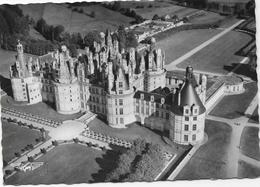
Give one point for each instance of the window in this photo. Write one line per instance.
(120, 101)
(120, 91)
(115, 101)
(193, 137)
(194, 127)
(116, 111)
(195, 118)
(121, 111)
(157, 113)
(147, 111)
(186, 111)
(122, 120)
(186, 138)
(137, 109)
(167, 115)
(186, 118)
(120, 84)
(186, 127)
(116, 121)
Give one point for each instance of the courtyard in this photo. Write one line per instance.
(234, 106)
(62, 165)
(210, 161)
(15, 138)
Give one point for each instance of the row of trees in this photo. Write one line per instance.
(142, 162)
(116, 6)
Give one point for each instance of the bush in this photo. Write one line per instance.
(43, 151)
(30, 159)
(55, 143)
(17, 154)
(8, 172)
(30, 126)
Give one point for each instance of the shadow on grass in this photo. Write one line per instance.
(244, 70)
(252, 117)
(107, 163)
(6, 85)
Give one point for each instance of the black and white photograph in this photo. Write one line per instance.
(128, 91)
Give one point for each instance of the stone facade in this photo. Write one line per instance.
(122, 86)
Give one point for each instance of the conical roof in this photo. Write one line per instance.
(187, 95)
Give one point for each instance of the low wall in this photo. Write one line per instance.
(214, 97)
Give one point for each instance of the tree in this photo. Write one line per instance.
(30, 159)
(55, 143)
(57, 32)
(17, 154)
(91, 37)
(92, 14)
(131, 40)
(43, 151)
(156, 17)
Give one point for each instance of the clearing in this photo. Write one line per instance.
(234, 106)
(249, 143)
(209, 162)
(178, 44)
(16, 138)
(85, 166)
(73, 21)
(219, 55)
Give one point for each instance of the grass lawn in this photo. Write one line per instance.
(249, 143)
(131, 133)
(40, 109)
(210, 160)
(234, 106)
(255, 117)
(60, 14)
(62, 165)
(176, 45)
(15, 138)
(246, 170)
(219, 55)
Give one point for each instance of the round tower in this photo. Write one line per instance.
(187, 121)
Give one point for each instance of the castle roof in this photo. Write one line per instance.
(158, 94)
(187, 95)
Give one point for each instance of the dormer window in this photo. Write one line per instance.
(195, 110)
(152, 98)
(186, 110)
(142, 96)
(120, 84)
(162, 101)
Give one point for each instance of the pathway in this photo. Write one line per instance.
(238, 124)
(171, 66)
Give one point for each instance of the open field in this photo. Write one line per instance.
(84, 166)
(131, 133)
(59, 14)
(15, 138)
(178, 44)
(219, 55)
(234, 106)
(255, 117)
(246, 170)
(249, 143)
(209, 162)
(40, 109)
(227, 57)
